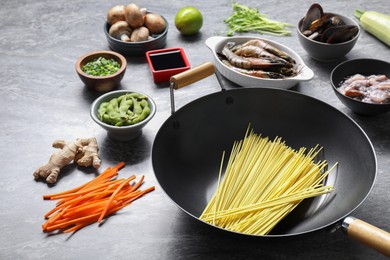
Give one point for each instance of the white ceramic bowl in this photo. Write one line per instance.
(121, 133)
(216, 44)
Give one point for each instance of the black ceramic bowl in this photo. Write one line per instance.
(327, 52)
(365, 67)
(137, 48)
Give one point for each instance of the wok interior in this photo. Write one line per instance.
(188, 148)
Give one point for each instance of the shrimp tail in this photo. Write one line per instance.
(254, 73)
(271, 49)
(249, 62)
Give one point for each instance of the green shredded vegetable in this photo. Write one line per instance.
(245, 19)
(101, 67)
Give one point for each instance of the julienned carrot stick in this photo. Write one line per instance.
(74, 202)
(108, 173)
(97, 187)
(104, 177)
(77, 200)
(48, 196)
(138, 184)
(92, 201)
(54, 218)
(96, 206)
(103, 174)
(78, 226)
(86, 223)
(119, 166)
(67, 222)
(127, 195)
(107, 206)
(127, 202)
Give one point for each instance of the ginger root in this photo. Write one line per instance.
(83, 151)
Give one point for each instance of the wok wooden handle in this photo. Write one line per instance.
(368, 235)
(192, 75)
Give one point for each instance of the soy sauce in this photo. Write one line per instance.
(167, 60)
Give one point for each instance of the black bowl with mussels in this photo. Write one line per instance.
(327, 36)
(363, 85)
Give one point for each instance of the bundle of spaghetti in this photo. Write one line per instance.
(263, 182)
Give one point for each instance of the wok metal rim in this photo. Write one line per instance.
(339, 220)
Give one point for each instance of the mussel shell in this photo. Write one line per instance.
(338, 34)
(315, 12)
(322, 23)
(315, 36)
(336, 20)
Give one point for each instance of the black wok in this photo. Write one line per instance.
(187, 151)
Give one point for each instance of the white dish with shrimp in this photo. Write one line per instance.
(244, 77)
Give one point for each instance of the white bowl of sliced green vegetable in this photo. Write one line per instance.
(123, 113)
(101, 70)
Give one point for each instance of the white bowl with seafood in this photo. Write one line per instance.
(277, 66)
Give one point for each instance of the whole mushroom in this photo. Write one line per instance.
(140, 34)
(134, 16)
(155, 23)
(116, 14)
(120, 30)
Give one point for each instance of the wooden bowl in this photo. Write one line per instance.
(101, 83)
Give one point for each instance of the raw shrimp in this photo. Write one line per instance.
(269, 48)
(258, 52)
(247, 62)
(255, 73)
(354, 77)
(370, 89)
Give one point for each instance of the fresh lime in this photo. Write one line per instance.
(189, 20)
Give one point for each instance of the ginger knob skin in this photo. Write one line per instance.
(83, 151)
(88, 153)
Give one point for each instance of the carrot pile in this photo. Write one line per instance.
(92, 201)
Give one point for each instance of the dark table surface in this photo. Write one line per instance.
(42, 99)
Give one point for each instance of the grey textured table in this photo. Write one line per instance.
(42, 99)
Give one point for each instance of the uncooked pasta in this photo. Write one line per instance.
(264, 180)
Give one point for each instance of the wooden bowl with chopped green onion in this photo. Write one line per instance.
(102, 70)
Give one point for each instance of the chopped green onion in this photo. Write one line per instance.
(101, 67)
(245, 19)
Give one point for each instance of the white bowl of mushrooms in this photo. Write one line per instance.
(132, 31)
